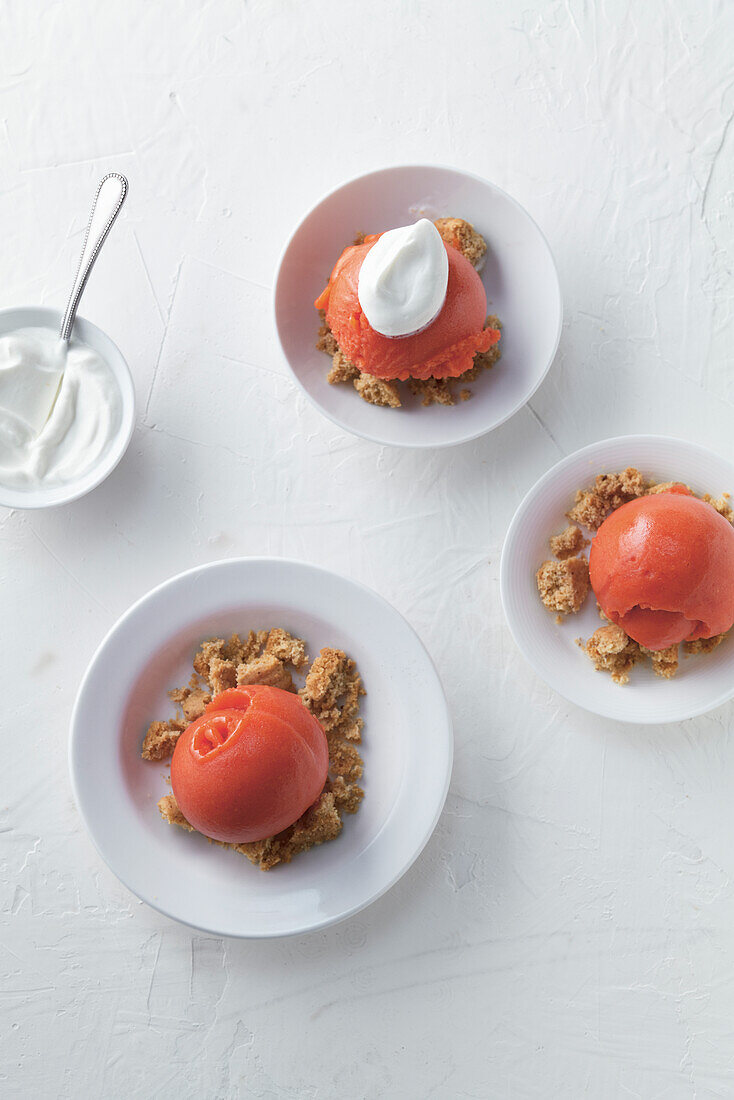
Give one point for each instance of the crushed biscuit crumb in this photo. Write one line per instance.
(378, 391)
(286, 647)
(342, 370)
(611, 650)
(326, 341)
(160, 740)
(664, 661)
(610, 491)
(722, 505)
(222, 675)
(268, 670)
(563, 585)
(332, 692)
(703, 645)
(192, 699)
(432, 391)
(568, 544)
(661, 487)
(462, 236)
(170, 812)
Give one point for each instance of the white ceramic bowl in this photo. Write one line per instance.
(39, 317)
(519, 275)
(407, 748)
(702, 683)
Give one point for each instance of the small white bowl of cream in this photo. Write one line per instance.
(67, 412)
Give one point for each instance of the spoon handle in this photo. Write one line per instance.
(107, 204)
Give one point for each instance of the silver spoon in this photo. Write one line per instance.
(111, 194)
(107, 204)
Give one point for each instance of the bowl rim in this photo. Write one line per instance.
(35, 499)
(421, 167)
(170, 583)
(505, 586)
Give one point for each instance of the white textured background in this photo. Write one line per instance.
(569, 930)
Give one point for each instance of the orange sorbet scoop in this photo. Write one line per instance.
(662, 568)
(445, 349)
(250, 766)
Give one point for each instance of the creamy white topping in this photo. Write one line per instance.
(43, 443)
(403, 279)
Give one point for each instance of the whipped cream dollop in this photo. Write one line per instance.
(60, 409)
(403, 279)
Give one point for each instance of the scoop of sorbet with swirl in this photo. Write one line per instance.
(662, 568)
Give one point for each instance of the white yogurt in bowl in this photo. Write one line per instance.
(66, 415)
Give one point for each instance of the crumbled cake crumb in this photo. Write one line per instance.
(268, 670)
(377, 391)
(160, 740)
(563, 585)
(170, 812)
(332, 693)
(326, 341)
(722, 505)
(347, 796)
(664, 661)
(440, 391)
(569, 543)
(703, 645)
(462, 235)
(661, 487)
(485, 360)
(192, 699)
(320, 823)
(612, 651)
(345, 760)
(235, 651)
(432, 391)
(610, 491)
(342, 370)
(222, 675)
(286, 647)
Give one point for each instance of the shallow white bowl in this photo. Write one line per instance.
(703, 681)
(519, 276)
(39, 317)
(407, 748)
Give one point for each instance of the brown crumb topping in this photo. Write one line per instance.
(610, 491)
(703, 645)
(332, 692)
(461, 235)
(661, 487)
(192, 699)
(722, 505)
(286, 648)
(268, 670)
(664, 661)
(160, 740)
(568, 544)
(377, 391)
(612, 651)
(563, 585)
(341, 369)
